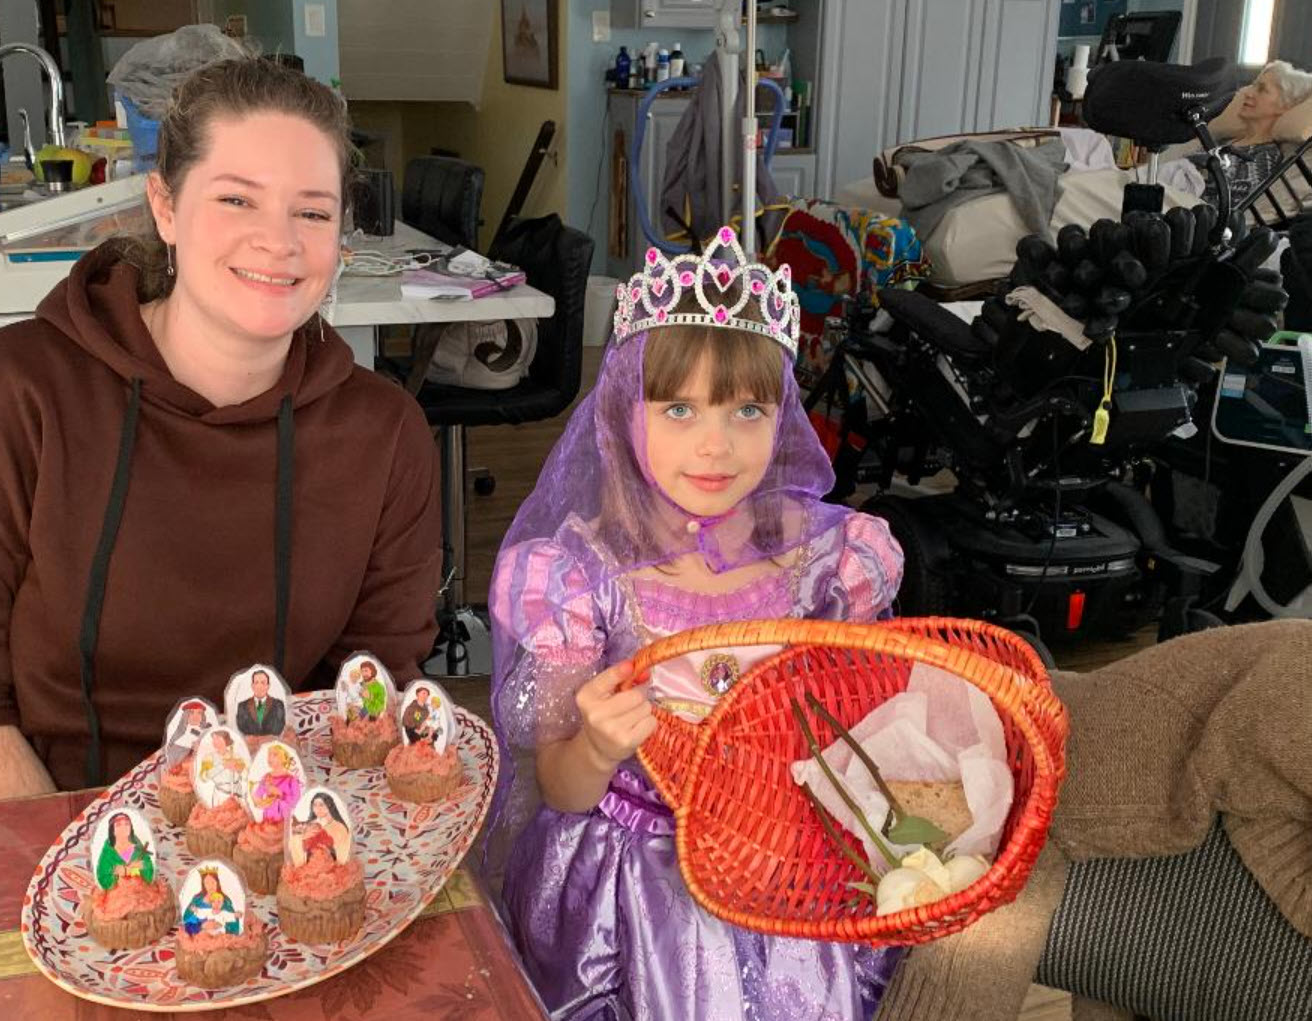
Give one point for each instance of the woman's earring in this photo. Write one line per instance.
(168, 258)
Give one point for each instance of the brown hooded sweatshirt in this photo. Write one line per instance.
(151, 544)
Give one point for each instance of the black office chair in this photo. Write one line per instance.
(556, 259)
(442, 197)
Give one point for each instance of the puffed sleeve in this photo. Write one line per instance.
(869, 570)
(548, 640)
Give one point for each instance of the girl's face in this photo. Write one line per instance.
(210, 883)
(708, 457)
(256, 225)
(1263, 100)
(320, 809)
(122, 829)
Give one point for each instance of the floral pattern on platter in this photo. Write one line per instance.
(408, 852)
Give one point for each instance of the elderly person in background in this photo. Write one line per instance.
(1256, 152)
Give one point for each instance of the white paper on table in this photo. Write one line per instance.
(942, 728)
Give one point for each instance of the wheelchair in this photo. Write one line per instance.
(1047, 438)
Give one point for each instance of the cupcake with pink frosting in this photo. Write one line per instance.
(364, 723)
(187, 724)
(425, 766)
(221, 941)
(218, 777)
(130, 906)
(321, 895)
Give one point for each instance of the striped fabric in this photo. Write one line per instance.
(1185, 938)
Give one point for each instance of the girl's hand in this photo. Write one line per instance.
(615, 723)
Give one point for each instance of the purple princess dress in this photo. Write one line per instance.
(595, 901)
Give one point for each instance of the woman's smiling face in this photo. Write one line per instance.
(256, 225)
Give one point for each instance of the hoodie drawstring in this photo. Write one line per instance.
(118, 494)
(90, 636)
(282, 530)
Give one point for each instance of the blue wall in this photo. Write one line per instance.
(318, 52)
(587, 134)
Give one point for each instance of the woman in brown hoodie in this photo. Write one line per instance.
(194, 475)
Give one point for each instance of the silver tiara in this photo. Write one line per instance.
(650, 297)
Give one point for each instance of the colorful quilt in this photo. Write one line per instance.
(836, 251)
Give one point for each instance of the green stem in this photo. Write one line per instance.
(859, 752)
(883, 848)
(851, 855)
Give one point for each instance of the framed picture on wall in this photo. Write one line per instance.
(528, 42)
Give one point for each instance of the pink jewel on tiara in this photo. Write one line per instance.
(758, 286)
(658, 287)
(721, 314)
(636, 293)
(686, 278)
(723, 277)
(652, 256)
(660, 315)
(727, 235)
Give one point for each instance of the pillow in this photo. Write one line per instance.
(1294, 125)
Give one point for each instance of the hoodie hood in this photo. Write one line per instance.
(96, 307)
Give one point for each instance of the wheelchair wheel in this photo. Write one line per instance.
(925, 591)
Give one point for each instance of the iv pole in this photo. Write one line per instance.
(740, 137)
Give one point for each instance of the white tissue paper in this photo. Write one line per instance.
(940, 728)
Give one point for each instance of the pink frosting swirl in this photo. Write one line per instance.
(229, 817)
(261, 838)
(129, 894)
(178, 778)
(404, 760)
(361, 730)
(321, 878)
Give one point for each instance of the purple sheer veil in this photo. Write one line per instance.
(595, 515)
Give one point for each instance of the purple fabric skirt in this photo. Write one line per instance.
(609, 932)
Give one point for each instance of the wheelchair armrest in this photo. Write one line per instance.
(934, 324)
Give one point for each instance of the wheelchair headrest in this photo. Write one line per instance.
(1148, 102)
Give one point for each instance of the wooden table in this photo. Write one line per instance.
(454, 961)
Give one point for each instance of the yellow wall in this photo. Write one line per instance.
(497, 136)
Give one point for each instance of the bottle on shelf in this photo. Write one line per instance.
(676, 61)
(623, 68)
(662, 65)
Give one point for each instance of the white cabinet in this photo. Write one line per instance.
(1019, 48)
(663, 13)
(794, 174)
(898, 70)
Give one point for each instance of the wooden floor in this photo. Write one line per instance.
(514, 454)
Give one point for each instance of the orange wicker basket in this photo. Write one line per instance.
(751, 848)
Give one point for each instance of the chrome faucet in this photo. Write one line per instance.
(54, 81)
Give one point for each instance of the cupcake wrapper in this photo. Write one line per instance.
(176, 805)
(135, 930)
(423, 786)
(217, 969)
(210, 843)
(259, 870)
(328, 921)
(362, 754)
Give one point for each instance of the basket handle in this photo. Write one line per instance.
(868, 637)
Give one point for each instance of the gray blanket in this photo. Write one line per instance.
(694, 169)
(938, 181)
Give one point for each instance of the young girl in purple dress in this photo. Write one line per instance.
(686, 491)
